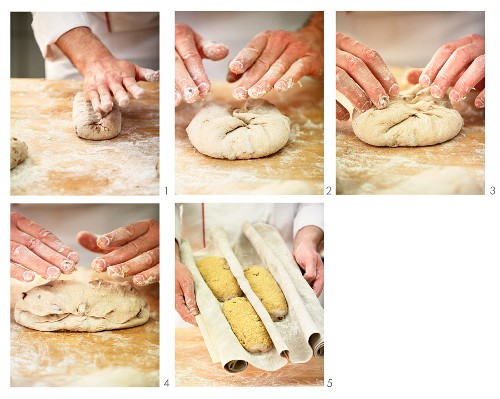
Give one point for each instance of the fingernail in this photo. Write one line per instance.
(191, 94)
(282, 86)
(454, 96)
(479, 102)
(53, 273)
(28, 276)
(256, 92)
(103, 242)
(424, 80)
(436, 91)
(203, 88)
(67, 265)
(239, 93)
(115, 271)
(137, 93)
(138, 279)
(394, 89)
(98, 264)
(236, 67)
(74, 257)
(383, 101)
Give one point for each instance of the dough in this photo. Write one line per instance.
(216, 273)
(409, 120)
(247, 325)
(256, 130)
(91, 125)
(265, 287)
(81, 306)
(440, 181)
(18, 152)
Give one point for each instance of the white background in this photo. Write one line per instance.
(412, 287)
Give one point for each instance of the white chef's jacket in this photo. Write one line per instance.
(287, 218)
(132, 37)
(409, 38)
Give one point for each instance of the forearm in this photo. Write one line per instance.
(83, 48)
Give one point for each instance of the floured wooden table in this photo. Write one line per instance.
(128, 357)
(366, 169)
(60, 163)
(295, 169)
(193, 367)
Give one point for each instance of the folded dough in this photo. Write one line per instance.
(256, 130)
(268, 291)
(217, 274)
(409, 120)
(247, 325)
(18, 152)
(81, 306)
(91, 125)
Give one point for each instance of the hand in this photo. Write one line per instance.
(34, 250)
(305, 251)
(132, 250)
(362, 77)
(191, 81)
(185, 300)
(458, 64)
(278, 59)
(104, 76)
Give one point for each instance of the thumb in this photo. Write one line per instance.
(211, 50)
(413, 74)
(146, 74)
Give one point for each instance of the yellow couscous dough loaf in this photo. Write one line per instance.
(216, 273)
(267, 289)
(247, 325)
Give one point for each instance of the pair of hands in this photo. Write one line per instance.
(365, 80)
(132, 250)
(305, 251)
(272, 60)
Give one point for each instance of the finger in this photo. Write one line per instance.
(232, 77)
(147, 277)
(29, 227)
(480, 100)
(186, 48)
(310, 271)
(21, 255)
(119, 94)
(439, 59)
(458, 61)
(184, 81)
(342, 114)
(249, 54)
(211, 50)
(124, 234)
(351, 90)
(178, 97)
(300, 68)
(124, 253)
(413, 75)
(182, 309)
(469, 79)
(93, 96)
(106, 99)
(372, 60)
(360, 73)
(140, 263)
(89, 241)
(43, 251)
(146, 74)
(320, 280)
(133, 88)
(21, 273)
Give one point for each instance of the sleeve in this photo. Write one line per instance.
(50, 26)
(308, 215)
(178, 222)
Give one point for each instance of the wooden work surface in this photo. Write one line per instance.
(295, 169)
(366, 169)
(128, 357)
(60, 163)
(193, 367)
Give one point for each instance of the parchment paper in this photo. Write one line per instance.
(297, 337)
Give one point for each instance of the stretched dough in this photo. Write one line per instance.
(269, 292)
(247, 325)
(18, 152)
(81, 306)
(409, 120)
(256, 130)
(91, 125)
(216, 273)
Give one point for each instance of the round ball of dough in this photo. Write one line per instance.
(256, 130)
(409, 121)
(18, 152)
